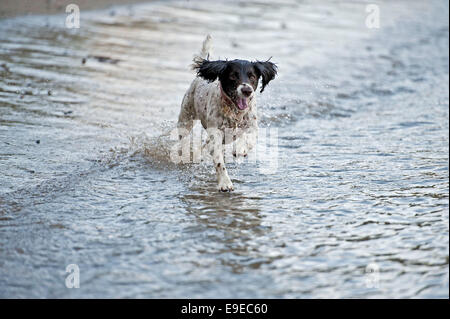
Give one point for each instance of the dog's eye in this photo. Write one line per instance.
(251, 76)
(234, 76)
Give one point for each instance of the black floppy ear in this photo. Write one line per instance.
(211, 70)
(267, 70)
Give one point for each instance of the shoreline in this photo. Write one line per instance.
(11, 8)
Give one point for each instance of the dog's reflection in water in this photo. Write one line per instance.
(230, 226)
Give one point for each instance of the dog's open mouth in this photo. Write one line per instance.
(241, 103)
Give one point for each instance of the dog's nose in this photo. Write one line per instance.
(246, 90)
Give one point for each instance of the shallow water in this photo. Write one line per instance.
(362, 168)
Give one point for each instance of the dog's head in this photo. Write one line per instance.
(239, 78)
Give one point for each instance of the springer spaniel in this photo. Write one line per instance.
(226, 108)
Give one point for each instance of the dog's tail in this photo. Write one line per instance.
(204, 53)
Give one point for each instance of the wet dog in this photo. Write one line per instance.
(222, 97)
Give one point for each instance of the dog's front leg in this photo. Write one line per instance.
(216, 150)
(246, 142)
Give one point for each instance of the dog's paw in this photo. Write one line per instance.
(225, 185)
(240, 151)
(241, 154)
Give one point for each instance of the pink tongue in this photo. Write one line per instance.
(242, 104)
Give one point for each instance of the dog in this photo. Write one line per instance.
(222, 97)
